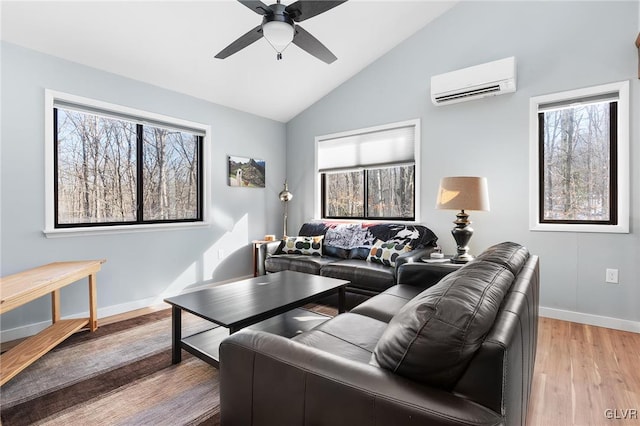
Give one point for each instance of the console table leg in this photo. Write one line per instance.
(55, 306)
(93, 303)
(176, 334)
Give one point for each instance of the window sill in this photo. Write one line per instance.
(123, 229)
(610, 229)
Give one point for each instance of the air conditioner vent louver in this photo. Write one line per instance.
(475, 92)
(489, 79)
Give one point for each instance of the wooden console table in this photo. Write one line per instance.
(23, 287)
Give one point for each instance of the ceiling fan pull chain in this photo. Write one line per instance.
(278, 53)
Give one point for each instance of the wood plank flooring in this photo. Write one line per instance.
(585, 375)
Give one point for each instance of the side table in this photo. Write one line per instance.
(256, 246)
(442, 266)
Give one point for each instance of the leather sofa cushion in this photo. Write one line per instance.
(336, 252)
(385, 305)
(435, 335)
(296, 262)
(367, 275)
(348, 335)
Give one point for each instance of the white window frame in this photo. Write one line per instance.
(622, 226)
(50, 96)
(415, 123)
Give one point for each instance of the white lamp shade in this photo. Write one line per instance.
(463, 193)
(278, 33)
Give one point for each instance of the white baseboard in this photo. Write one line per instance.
(590, 319)
(31, 329)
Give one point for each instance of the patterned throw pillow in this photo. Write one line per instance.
(303, 245)
(387, 252)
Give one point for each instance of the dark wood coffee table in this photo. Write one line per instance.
(244, 303)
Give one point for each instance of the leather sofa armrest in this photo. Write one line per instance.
(274, 380)
(263, 251)
(271, 247)
(413, 256)
(423, 274)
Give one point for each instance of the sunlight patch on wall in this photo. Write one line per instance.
(199, 273)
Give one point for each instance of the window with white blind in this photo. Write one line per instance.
(580, 160)
(111, 167)
(369, 174)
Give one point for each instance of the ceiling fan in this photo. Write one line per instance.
(279, 27)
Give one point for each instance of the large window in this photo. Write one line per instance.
(580, 175)
(369, 173)
(114, 167)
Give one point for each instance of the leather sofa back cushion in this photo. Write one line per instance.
(434, 336)
(310, 229)
(510, 255)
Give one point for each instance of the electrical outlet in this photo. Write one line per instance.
(611, 276)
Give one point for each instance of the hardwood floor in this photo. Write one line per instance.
(585, 375)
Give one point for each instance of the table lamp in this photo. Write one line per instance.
(463, 193)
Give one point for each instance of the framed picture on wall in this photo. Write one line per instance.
(246, 172)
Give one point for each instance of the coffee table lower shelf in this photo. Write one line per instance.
(206, 344)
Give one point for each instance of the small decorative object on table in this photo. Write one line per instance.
(437, 254)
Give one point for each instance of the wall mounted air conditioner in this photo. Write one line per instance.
(490, 79)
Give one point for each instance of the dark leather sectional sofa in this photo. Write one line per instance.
(345, 249)
(427, 351)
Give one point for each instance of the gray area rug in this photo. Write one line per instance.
(119, 375)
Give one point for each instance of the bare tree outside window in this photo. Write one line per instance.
(344, 194)
(390, 193)
(96, 169)
(577, 171)
(116, 171)
(170, 174)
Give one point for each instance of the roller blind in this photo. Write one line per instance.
(380, 148)
(137, 119)
(582, 101)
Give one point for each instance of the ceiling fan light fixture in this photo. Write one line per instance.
(279, 34)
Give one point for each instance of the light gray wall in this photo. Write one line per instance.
(145, 266)
(558, 46)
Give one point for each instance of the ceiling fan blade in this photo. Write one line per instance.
(303, 9)
(304, 40)
(242, 42)
(257, 6)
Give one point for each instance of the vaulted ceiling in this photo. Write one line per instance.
(172, 44)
